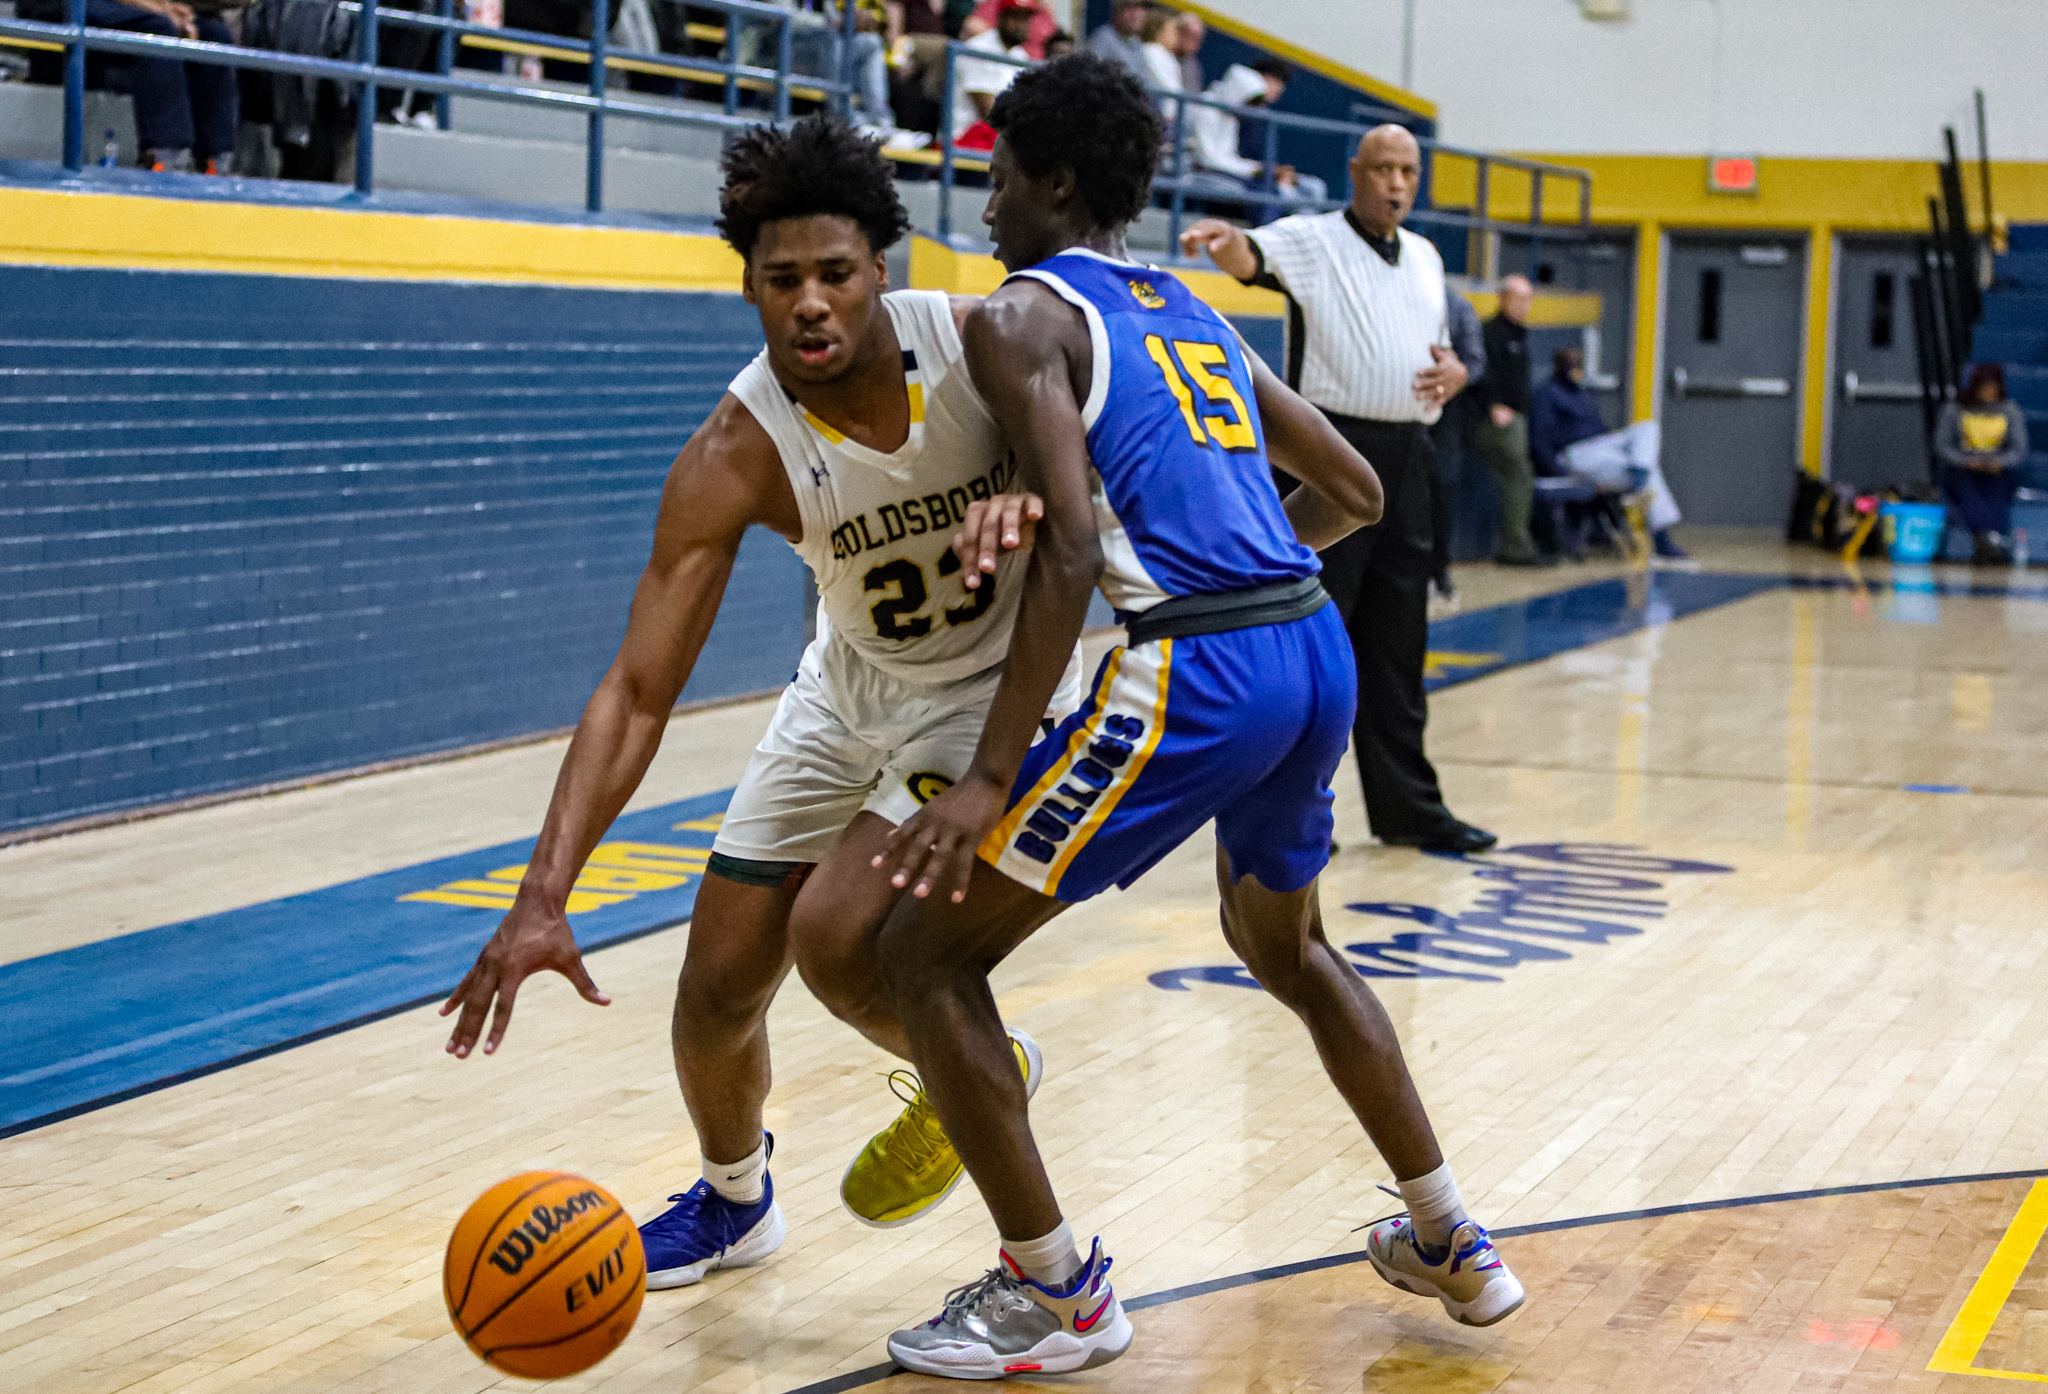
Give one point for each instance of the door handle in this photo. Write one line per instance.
(1854, 389)
(1685, 385)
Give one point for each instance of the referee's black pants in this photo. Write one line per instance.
(1379, 577)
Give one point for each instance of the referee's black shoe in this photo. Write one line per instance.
(1451, 836)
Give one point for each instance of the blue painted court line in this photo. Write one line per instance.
(106, 1021)
(1936, 788)
(1464, 647)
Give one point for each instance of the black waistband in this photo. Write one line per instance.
(1213, 614)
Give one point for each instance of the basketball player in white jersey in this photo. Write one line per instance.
(857, 436)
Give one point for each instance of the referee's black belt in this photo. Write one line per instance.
(1183, 615)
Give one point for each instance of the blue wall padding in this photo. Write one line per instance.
(260, 527)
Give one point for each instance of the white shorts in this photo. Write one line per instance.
(849, 738)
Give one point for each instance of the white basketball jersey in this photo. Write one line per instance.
(878, 528)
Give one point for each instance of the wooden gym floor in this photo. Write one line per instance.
(1824, 985)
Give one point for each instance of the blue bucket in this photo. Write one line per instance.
(1912, 531)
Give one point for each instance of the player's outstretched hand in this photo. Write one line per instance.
(1005, 523)
(528, 940)
(933, 851)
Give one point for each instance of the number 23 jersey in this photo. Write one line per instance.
(878, 528)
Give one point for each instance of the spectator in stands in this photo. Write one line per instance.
(1187, 47)
(1504, 434)
(1981, 441)
(1161, 37)
(1059, 46)
(941, 17)
(1568, 437)
(1043, 25)
(1213, 134)
(185, 113)
(1122, 38)
(1451, 438)
(978, 82)
(1368, 300)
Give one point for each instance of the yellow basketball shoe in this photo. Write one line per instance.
(910, 1166)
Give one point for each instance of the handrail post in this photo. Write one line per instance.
(445, 63)
(946, 143)
(593, 157)
(1271, 177)
(1484, 200)
(366, 99)
(1180, 173)
(843, 101)
(732, 62)
(1535, 220)
(74, 88)
(784, 48)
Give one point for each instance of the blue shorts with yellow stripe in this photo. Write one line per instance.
(1245, 727)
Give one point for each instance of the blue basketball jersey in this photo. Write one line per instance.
(1184, 498)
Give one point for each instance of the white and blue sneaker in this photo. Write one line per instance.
(1466, 1275)
(704, 1231)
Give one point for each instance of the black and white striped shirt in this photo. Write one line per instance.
(1366, 324)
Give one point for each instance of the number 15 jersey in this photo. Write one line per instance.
(878, 528)
(1184, 499)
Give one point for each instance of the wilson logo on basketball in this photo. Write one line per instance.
(592, 1285)
(546, 1221)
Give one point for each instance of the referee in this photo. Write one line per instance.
(1368, 343)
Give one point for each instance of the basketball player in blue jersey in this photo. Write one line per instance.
(1147, 427)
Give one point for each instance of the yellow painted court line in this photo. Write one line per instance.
(1958, 1349)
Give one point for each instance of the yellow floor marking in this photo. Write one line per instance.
(1440, 659)
(1981, 1308)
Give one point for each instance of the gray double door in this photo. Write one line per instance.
(1732, 320)
(1875, 427)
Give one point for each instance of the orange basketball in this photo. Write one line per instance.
(544, 1274)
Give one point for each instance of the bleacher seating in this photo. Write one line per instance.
(2015, 332)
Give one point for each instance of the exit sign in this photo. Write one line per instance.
(1732, 174)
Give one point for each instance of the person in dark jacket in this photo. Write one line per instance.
(1981, 441)
(1452, 437)
(1568, 436)
(1504, 431)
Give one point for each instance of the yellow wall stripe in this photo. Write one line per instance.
(934, 266)
(1309, 59)
(1958, 1349)
(1548, 309)
(1815, 381)
(42, 228)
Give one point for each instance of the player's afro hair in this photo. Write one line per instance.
(1090, 114)
(819, 165)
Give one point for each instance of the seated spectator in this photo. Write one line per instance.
(1160, 35)
(1059, 46)
(977, 83)
(1187, 48)
(1122, 38)
(1981, 440)
(988, 15)
(1568, 437)
(1213, 136)
(185, 113)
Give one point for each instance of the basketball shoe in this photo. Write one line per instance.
(1003, 1323)
(910, 1166)
(1475, 1287)
(704, 1231)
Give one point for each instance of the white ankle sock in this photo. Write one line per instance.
(1050, 1262)
(740, 1182)
(1434, 1205)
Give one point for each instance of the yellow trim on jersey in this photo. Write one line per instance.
(915, 391)
(824, 428)
(991, 849)
(1127, 776)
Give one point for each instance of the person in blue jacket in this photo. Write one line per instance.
(1568, 437)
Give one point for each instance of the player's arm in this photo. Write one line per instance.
(725, 479)
(1342, 492)
(1029, 354)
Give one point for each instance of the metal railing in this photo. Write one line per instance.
(76, 38)
(1175, 183)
